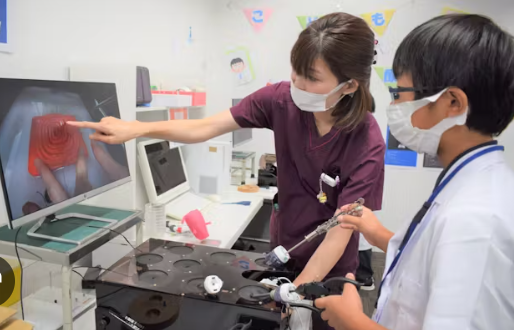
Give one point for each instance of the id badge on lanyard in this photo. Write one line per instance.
(418, 218)
(322, 196)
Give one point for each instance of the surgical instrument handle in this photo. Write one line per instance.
(329, 224)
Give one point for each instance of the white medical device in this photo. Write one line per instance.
(166, 180)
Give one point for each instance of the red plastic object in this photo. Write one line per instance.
(199, 99)
(54, 143)
(196, 223)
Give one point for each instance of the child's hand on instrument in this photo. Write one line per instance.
(367, 223)
(342, 311)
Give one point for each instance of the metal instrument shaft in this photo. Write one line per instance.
(330, 223)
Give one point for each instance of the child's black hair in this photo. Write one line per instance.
(470, 52)
(236, 61)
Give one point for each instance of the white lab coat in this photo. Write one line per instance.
(363, 244)
(457, 271)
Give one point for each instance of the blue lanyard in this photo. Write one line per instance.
(426, 206)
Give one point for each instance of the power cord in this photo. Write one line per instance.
(114, 231)
(21, 272)
(104, 269)
(79, 274)
(105, 228)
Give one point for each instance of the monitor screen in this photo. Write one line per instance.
(243, 135)
(45, 164)
(166, 166)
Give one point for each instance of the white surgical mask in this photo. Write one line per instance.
(312, 102)
(399, 119)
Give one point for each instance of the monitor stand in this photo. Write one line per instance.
(53, 218)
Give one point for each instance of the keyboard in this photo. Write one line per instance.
(186, 203)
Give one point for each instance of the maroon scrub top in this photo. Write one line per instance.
(357, 157)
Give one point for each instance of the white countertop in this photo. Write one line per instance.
(266, 193)
(231, 221)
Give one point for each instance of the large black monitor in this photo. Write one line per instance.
(46, 164)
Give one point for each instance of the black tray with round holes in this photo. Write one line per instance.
(159, 279)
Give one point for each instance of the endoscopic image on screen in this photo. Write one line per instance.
(44, 160)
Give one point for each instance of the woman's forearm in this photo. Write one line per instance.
(326, 256)
(189, 131)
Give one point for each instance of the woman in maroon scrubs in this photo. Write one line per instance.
(322, 124)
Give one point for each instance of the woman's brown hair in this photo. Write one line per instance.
(347, 45)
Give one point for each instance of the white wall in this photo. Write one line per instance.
(405, 189)
(51, 36)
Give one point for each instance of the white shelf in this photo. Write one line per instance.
(172, 100)
(147, 109)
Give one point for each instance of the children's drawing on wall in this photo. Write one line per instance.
(241, 66)
(258, 17)
(240, 69)
(305, 21)
(379, 20)
(450, 10)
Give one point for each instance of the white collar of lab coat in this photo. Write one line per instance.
(472, 167)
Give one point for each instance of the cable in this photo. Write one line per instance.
(314, 309)
(114, 231)
(110, 294)
(35, 255)
(104, 269)
(105, 228)
(21, 272)
(79, 274)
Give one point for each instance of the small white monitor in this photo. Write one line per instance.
(163, 170)
(242, 135)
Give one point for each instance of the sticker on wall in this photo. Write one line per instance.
(379, 20)
(258, 17)
(431, 162)
(5, 27)
(190, 36)
(397, 154)
(386, 75)
(450, 10)
(305, 21)
(241, 65)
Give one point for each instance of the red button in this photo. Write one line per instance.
(54, 142)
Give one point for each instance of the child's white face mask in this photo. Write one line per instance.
(399, 118)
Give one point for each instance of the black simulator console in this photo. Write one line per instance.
(160, 285)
